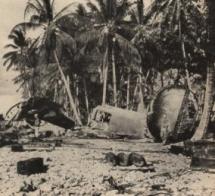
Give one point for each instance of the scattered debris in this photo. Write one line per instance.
(185, 148)
(58, 143)
(31, 166)
(203, 162)
(28, 187)
(111, 158)
(121, 188)
(145, 169)
(166, 175)
(202, 152)
(46, 134)
(158, 186)
(8, 137)
(96, 194)
(137, 160)
(87, 171)
(123, 159)
(176, 149)
(17, 148)
(31, 185)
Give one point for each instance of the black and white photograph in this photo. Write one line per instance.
(107, 98)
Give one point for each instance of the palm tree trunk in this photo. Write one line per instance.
(141, 106)
(208, 104)
(128, 92)
(135, 93)
(140, 8)
(66, 99)
(86, 96)
(33, 83)
(71, 100)
(162, 80)
(104, 96)
(184, 55)
(28, 90)
(208, 101)
(28, 85)
(105, 77)
(114, 73)
(186, 64)
(153, 83)
(55, 93)
(76, 94)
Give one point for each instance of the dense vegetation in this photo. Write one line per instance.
(114, 52)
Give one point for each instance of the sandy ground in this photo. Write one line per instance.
(79, 167)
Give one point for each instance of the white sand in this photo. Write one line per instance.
(79, 169)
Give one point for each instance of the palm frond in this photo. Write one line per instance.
(62, 12)
(99, 14)
(93, 7)
(11, 63)
(53, 3)
(22, 77)
(9, 54)
(18, 33)
(140, 10)
(38, 4)
(103, 39)
(103, 8)
(133, 15)
(81, 11)
(31, 7)
(10, 36)
(122, 10)
(154, 9)
(6, 61)
(34, 44)
(89, 37)
(128, 50)
(18, 37)
(67, 40)
(35, 19)
(25, 26)
(11, 46)
(48, 9)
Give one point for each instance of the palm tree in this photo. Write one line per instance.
(145, 40)
(42, 14)
(185, 19)
(210, 54)
(19, 44)
(106, 34)
(22, 59)
(180, 18)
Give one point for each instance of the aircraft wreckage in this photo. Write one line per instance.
(45, 109)
(172, 116)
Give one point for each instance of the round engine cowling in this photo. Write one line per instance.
(172, 115)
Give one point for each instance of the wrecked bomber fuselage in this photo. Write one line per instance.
(40, 109)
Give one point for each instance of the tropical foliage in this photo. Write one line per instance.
(117, 52)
